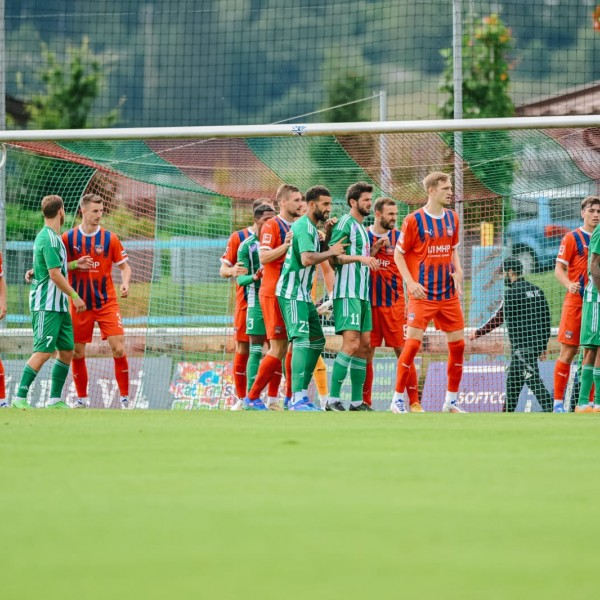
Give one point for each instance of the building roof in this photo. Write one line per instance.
(578, 100)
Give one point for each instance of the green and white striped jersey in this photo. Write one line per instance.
(296, 281)
(248, 255)
(591, 293)
(351, 280)
(49, 252)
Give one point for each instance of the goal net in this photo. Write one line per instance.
(174, 202)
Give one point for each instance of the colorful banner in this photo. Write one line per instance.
(206, 385)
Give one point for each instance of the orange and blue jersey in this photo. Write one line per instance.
(427, 243)
(573, 252)
(272, 235)
(94, 286)
(386, 283)
(229, 258)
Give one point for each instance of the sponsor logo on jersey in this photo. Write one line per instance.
(411, 317)
(266, 238)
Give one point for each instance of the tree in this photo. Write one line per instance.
(70, 91)
(349, 87)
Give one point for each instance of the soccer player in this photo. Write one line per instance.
(428, 260)
(351, 305)
(294, 292)
(571, 271)
(590, 328)
(275, 239)
(3, 306)
(49, 305)
(230, 267)
(387, 296)
(248, 258)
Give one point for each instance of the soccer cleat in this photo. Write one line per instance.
(363, 407)
(20, 403)
(4, 404)
(254, 404)
(416, 407)
(124, 402)
(452, 407)
(303, 405)
(336, 406)
(597, 408)
(275, 406)
(559, 407)
(81, 403)
(398, 407)
(238, 404)
(286, 403)
(58, 405)
(584, 408)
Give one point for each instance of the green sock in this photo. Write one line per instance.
(358, 373)
(26, 380)
(299, 360)
(58, 378)
(596, 386)
(315, 348)
(587, 378)
(338, 374)
(253, 362)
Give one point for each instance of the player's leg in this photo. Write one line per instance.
(315, 351)
(358, 366)
(568, 335)
(83, 330)
(516, 374)
(596, 407)
(3, 402)
(449, 319)
(534, 382)
(590, 340)
(369, 374)
(255, 328)
(111, 330)
(60, 368)
(320, 377)
(377, 334)
(242, 348)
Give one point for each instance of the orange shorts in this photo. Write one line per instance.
(274, 324)
(570, 324)
(108, 318)
(388, 325)
(239, 321)
(447, 315)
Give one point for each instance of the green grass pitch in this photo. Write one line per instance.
(107, 504)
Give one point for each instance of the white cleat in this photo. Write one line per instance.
(398, 407)
(238, 404)
(81, 403)
(124, 402)
(452, 407)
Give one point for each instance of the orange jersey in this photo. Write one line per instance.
(229, 258)
(573, 253)
(95, 286)
(386, 283)
(427, 243)
(272, 236)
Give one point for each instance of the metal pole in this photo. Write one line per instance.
(386, 178)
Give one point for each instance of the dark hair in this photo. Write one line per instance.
(260, 210)
(314, 192)
(381, 202)
(589, 201)
(356, 190)
(514, 264)
(51, 205)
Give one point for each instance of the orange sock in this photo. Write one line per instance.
(455, 364)
(122, 375)
(239, 374)
(561, 378)
(288, 374)
(266, 370)
(2, 382)
(273, 390)
(405, 361)
(368, 385)
(80, 376)
(412, 385)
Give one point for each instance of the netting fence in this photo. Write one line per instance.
(174, 202)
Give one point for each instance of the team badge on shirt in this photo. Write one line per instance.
(99, 249)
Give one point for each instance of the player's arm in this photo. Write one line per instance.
(457, 274)
(379, 244)
(3, 296)
(562, 274)
(415, 289)
(60, 281)
(315, 258)
(125, 278)
(245, 278)
(268, 255)
(492, 323)
(83, 263)
(227, 271)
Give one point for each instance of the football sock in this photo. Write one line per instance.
(320, 377)
(597, 385)
(561, 377)
(2, 382)
(299, 360)
(398, 396)
(273, 389)
(26, 380)
(253, 361)
(368, 385)
(80, 376)
(58, 378)
(288, 374)
(587, 378)
(239, 374)
(406, 359)
(315, 347)
(265, 372)
(122, 374)
(412, 385)
(455, 364)
(358, 371)
(338, 374)
(451, 397)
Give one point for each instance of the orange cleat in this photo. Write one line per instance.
(416, 407)
(585, 408)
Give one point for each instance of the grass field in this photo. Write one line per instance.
(105, 504)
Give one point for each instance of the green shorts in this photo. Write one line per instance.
(301, 319)
(352, 314)
(52, 331)
(590, 325)
(255, 322)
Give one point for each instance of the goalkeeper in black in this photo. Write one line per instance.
(527, 316)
